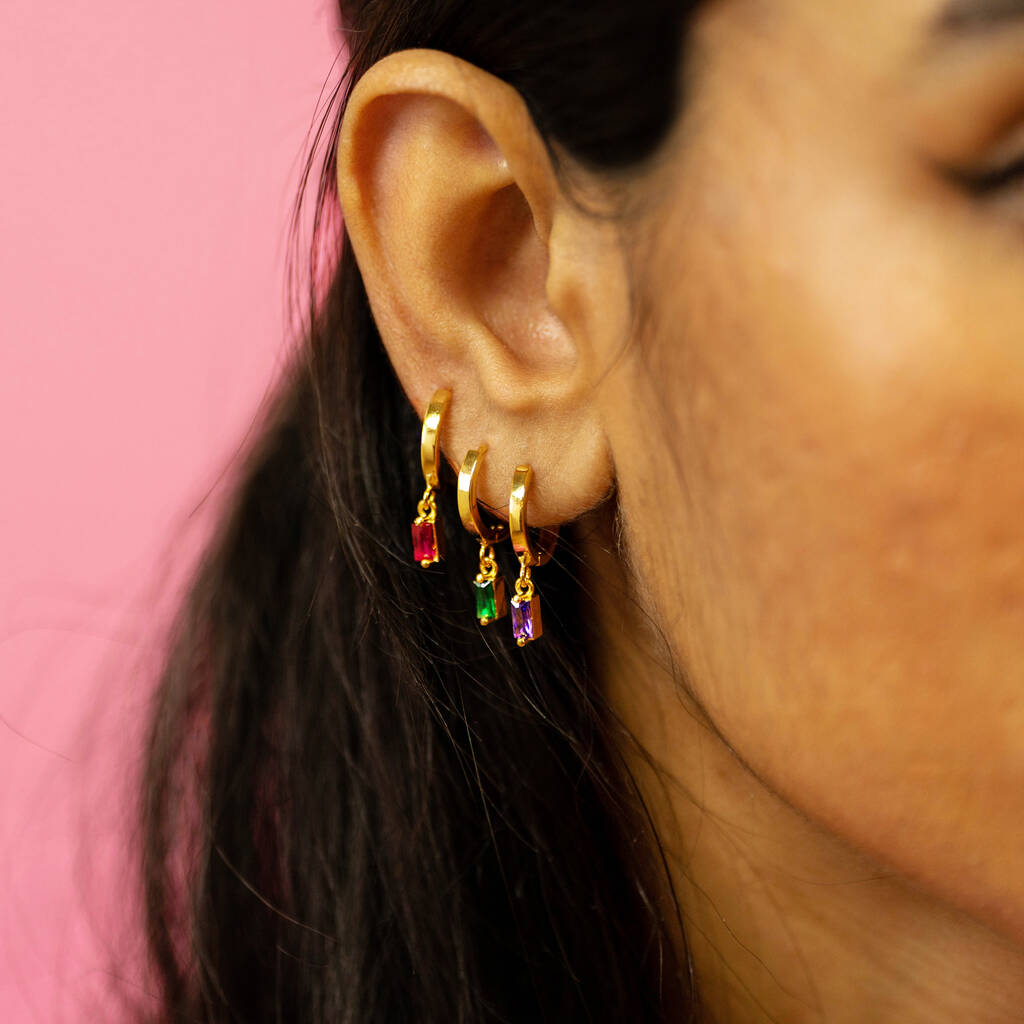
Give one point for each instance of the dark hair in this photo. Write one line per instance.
(359, 806)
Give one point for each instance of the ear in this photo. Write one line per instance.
(483, 275)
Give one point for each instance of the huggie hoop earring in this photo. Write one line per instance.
(526, 620)
(489, 586)
(427, 542)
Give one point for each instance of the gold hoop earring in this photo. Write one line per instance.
(489, 586)
(526, 620)
(427, 542)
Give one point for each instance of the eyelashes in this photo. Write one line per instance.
(990, 181)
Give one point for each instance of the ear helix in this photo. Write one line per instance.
(427, 540)
(489, 586)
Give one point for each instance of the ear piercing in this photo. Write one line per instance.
(532, 551)
(526, 619)
(489, 586)
(427, 542)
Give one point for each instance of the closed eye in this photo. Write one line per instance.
(991, 180)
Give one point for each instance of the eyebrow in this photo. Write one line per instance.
(975, 17)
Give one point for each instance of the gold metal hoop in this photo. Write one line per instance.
(469, 509)
(540, 550)
(429, 438)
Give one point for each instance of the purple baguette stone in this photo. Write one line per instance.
(526, 625)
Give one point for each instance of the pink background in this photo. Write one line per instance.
(148, 157)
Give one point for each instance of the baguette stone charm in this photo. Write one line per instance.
(424, 542)
(526, 621)
(490, 600)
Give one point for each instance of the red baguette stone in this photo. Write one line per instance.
(424, 543)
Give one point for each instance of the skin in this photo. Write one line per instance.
(808, 584)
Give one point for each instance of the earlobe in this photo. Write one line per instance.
(459, 225)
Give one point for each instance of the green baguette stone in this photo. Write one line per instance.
(485, 609)
(490, 600)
